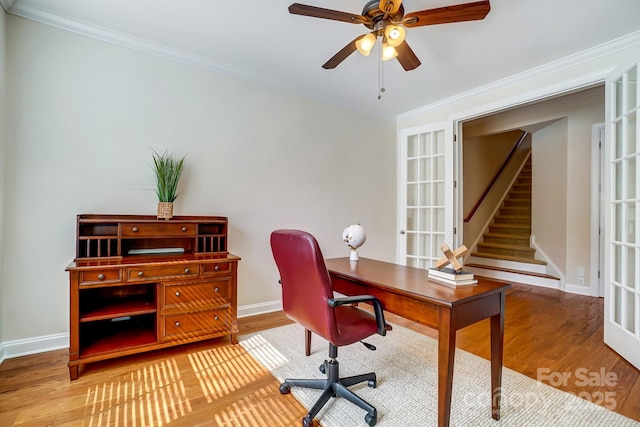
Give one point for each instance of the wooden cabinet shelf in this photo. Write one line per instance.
(132, 307)
(139, 284)
(108, 337)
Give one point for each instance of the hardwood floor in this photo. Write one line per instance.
(549, 335)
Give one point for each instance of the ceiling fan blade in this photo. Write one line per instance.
(445, 15)
(406, 57)
(319, 12)
(341, 55)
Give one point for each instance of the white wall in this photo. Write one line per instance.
(83, 118)
(549, 201)
(3, 85)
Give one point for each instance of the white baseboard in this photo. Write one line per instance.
(262, 308)
(579, 289)
(27, 346)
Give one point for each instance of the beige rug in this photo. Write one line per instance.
(406, 367)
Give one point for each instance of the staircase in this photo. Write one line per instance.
(505, 251)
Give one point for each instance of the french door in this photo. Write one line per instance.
(622, 216)
(426, 205)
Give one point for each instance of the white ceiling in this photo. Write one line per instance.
(260, 41)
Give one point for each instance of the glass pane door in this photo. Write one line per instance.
(425, 195)
(622, 269)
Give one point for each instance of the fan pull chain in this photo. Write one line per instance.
(381, 88)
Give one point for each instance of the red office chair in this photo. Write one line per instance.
(307, 298)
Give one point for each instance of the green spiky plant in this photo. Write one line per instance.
(168, 170)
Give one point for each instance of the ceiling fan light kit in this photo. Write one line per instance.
(365, 43)
(388, 52)
(394, 34)
(386, 19)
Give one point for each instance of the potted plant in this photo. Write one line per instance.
(168, 170)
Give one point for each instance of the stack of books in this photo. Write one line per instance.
(448, 276)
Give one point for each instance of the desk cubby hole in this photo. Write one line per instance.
(186, 244)
(97, 247)
(116, 302)
(108, 335)
(213, 243)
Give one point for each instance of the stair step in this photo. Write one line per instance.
(521, 194)
(514, 229)
(509, 258)
(506, 238)
(517, 202)
(515, 275)
(509, 250)
(510, 270)
(515, 211)
(512, 219)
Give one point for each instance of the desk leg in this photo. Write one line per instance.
(497, 352)
(446, 356)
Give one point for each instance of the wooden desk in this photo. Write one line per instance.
(407, 292)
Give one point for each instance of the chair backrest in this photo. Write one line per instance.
(306, 285)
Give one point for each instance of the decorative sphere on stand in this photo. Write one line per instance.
(354, 236)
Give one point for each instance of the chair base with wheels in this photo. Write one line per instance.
(334, 386)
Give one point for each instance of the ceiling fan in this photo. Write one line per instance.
(386, 19)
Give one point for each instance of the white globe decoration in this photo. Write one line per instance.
(354, 236)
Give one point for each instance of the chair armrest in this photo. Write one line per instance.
(377, 308)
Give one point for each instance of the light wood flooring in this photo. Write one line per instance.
(216, 384)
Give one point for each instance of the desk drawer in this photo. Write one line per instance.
(217, 268)
(196, 294)
(158, 229)
(178, 270)
(196, 324)
(93, 277)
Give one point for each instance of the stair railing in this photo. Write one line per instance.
(495, 178)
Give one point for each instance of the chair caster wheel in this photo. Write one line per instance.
(371, 420)
(323, 368)
(307, 421)
(285, 388)
(372, 383)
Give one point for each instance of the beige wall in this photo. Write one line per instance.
(482, 159)
(84, 116)
(549, 192)
(3, 85)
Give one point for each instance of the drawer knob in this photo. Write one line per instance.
(140, 273)
(187, 271)
(217, 289)
(177, 293)
(177, 324)
(100, 276)
(216, 268)
(184, 228)
(134, 229)
(216, 318)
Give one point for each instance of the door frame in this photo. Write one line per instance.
(596, 278)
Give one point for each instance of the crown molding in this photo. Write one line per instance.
(591, 54)
(28, 12)
(145, 46)
(7, 4)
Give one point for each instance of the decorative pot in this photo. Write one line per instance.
(165, 210)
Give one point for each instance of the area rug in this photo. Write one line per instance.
(405, 363)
